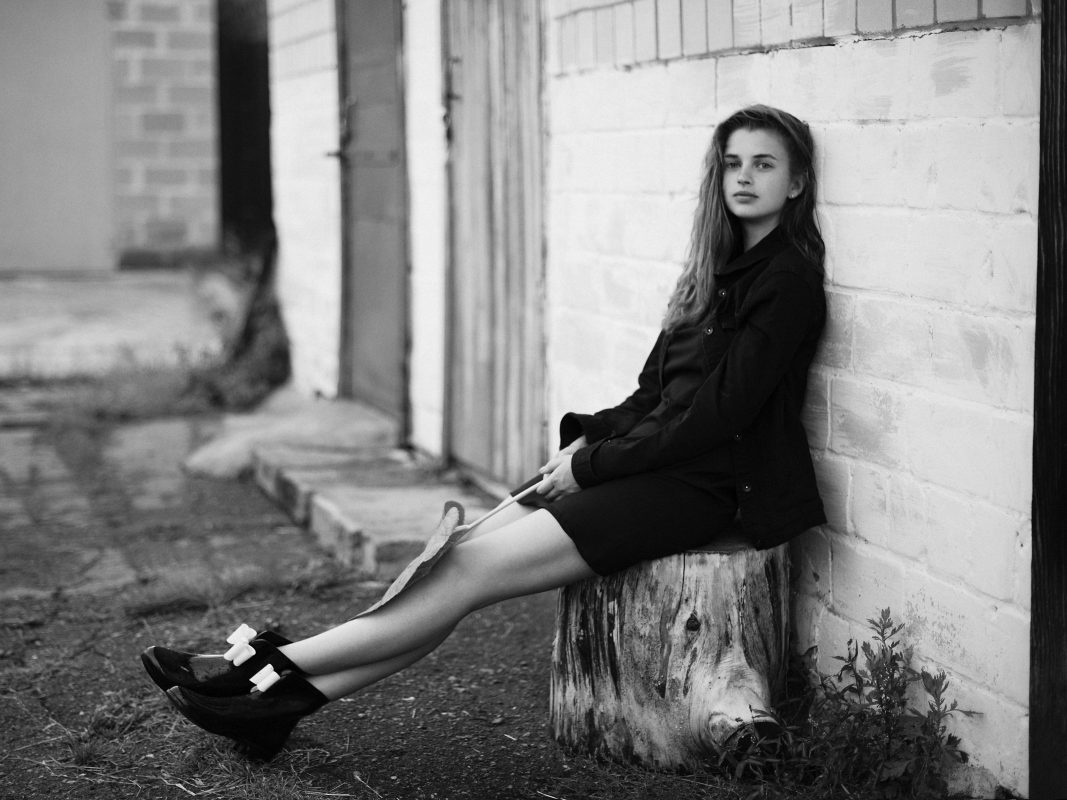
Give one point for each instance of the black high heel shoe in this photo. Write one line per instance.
(259, 721)
(215, 675)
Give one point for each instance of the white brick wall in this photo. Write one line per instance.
(919, 412)
(165, 127)
(920, 409)
(307, 195)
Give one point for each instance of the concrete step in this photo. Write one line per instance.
(371, 508)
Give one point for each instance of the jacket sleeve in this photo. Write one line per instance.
(619, 420)
(783, 310)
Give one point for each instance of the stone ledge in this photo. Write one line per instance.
(372, 508)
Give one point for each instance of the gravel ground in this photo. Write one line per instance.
(469, 721)
(82, 720)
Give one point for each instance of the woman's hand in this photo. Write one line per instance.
(573, 447)
(559, 478)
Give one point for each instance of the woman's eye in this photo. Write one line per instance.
(764, 164)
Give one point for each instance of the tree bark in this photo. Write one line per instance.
(659, 664)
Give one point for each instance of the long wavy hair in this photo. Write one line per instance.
(716, 237)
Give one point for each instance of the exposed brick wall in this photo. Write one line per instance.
(596, 33)
(307, 194)
(166, 160)
(920, 409)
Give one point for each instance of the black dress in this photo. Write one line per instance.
(640, 517)
(711, 445)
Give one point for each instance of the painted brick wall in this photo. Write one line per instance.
(165, 125)
(307, 204)
(920, 405)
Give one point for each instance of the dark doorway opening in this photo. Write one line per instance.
(244, 125)
(257, 350)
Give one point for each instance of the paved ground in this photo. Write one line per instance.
(83, 516)
(77, 324)
(331, 465)
(107, 545)
(84, 513)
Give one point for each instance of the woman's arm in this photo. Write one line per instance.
(577, 431)
(619, 420)
(785, 310)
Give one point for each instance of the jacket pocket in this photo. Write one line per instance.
(718, 334)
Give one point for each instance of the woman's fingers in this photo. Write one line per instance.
(559, 480)
(551, 464)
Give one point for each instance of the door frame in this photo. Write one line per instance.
(345, 378)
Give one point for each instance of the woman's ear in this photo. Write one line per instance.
(796, 186)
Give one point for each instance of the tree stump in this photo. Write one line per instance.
(662, 663)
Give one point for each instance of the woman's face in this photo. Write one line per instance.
(757, 180)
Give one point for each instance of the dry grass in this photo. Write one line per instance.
(199, 589)
(137, 745)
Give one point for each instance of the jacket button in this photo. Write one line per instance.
(737, 437)
(709, 331)
(746, 487)
(722, 293)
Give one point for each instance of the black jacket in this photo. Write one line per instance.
(760, 340)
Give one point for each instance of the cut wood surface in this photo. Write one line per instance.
(659, 664)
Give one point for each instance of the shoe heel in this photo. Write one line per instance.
(263, 745)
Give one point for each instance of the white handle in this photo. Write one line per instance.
(509, 500)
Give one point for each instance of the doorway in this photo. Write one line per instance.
(374, 322)
(244, 125)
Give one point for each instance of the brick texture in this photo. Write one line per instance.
(694, 27)
(919, 409)
(624, 34)
(164, 100)
(669, 29)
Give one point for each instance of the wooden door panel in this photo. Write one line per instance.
(497, 391)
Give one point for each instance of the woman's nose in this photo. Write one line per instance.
(743, 175)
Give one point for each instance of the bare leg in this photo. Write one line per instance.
(347, 681)
(512, 513)
(529, 555)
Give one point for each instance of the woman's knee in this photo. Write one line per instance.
(531, 555)
(503, 519)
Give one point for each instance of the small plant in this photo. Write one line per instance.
(855, 734)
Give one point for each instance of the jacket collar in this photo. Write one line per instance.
(770, 245)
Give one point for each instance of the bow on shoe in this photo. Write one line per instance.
(265, 678)
(241, 650)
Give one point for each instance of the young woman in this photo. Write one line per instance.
(709, 446)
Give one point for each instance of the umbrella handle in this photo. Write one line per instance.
(511, 499)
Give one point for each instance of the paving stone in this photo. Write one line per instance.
(68, 326)
(22, 460)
